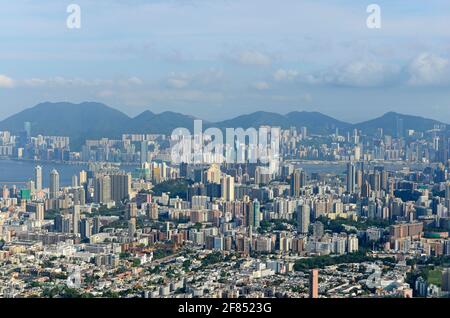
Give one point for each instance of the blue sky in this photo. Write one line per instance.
(220, 58)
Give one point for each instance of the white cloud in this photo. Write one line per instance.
(35, 82)
(209, 76)
(6, 82)
(262, 86)
(285, 75)
(429, 69)
(357, 74)
(169, 96)
(253, 58)
(133, 81)
(105, 93)
(178, 80)
(63, 81)
(59, 81)
(200, 80)
(426, 69)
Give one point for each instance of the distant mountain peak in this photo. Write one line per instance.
(90, 120)
(393, 114)
(389, 125)
(145, 114)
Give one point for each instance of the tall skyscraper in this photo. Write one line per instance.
(38, 178)
(96, 225)
(352, 243)
(27, 128)
(365, 190)
(183, 170)
(351, 177)
(131, 210)
(445, 280)
(298, 181)
(303, 218)
(357, 153)
(62, 223)
(152, 211)
(355, 136)
(375, 181)
(120, 186)
(79, 196)
(359, 179)
(213, 174)
(447, 191)
(5, 194)
(102, 189)
(443, 149)
(31, 185)
(304, 132)
(256, 210)
(40, 212)
(83, 177)
(314, 283)
(447, 195)
(167, 231)
(144, 151)
(228, 188)
(76, 219)
(85, 229)
(54, 184)
(74, 181)
(132, 227)
(399, 127)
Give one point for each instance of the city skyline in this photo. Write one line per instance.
(245, 152)
(342, 213)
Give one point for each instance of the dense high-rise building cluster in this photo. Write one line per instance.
(338, 210)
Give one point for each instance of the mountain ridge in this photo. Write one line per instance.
(89, 120)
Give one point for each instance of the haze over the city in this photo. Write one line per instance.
(219, 59)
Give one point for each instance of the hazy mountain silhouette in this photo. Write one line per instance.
(91, 120)
(392, 121)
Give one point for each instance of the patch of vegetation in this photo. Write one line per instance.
(323, 261)
(274, 225)
(124, 255)
(213, 258)
(442, 261)
(174, 188)
(162, 252)
(337, 225)
(434, 277)
(136, 262)
(186, 264)
(407, 195)
(51, 214)
(64, 292)
(111, 294)
(114, 211)
(430, 273)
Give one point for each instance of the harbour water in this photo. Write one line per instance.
(18, 172)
